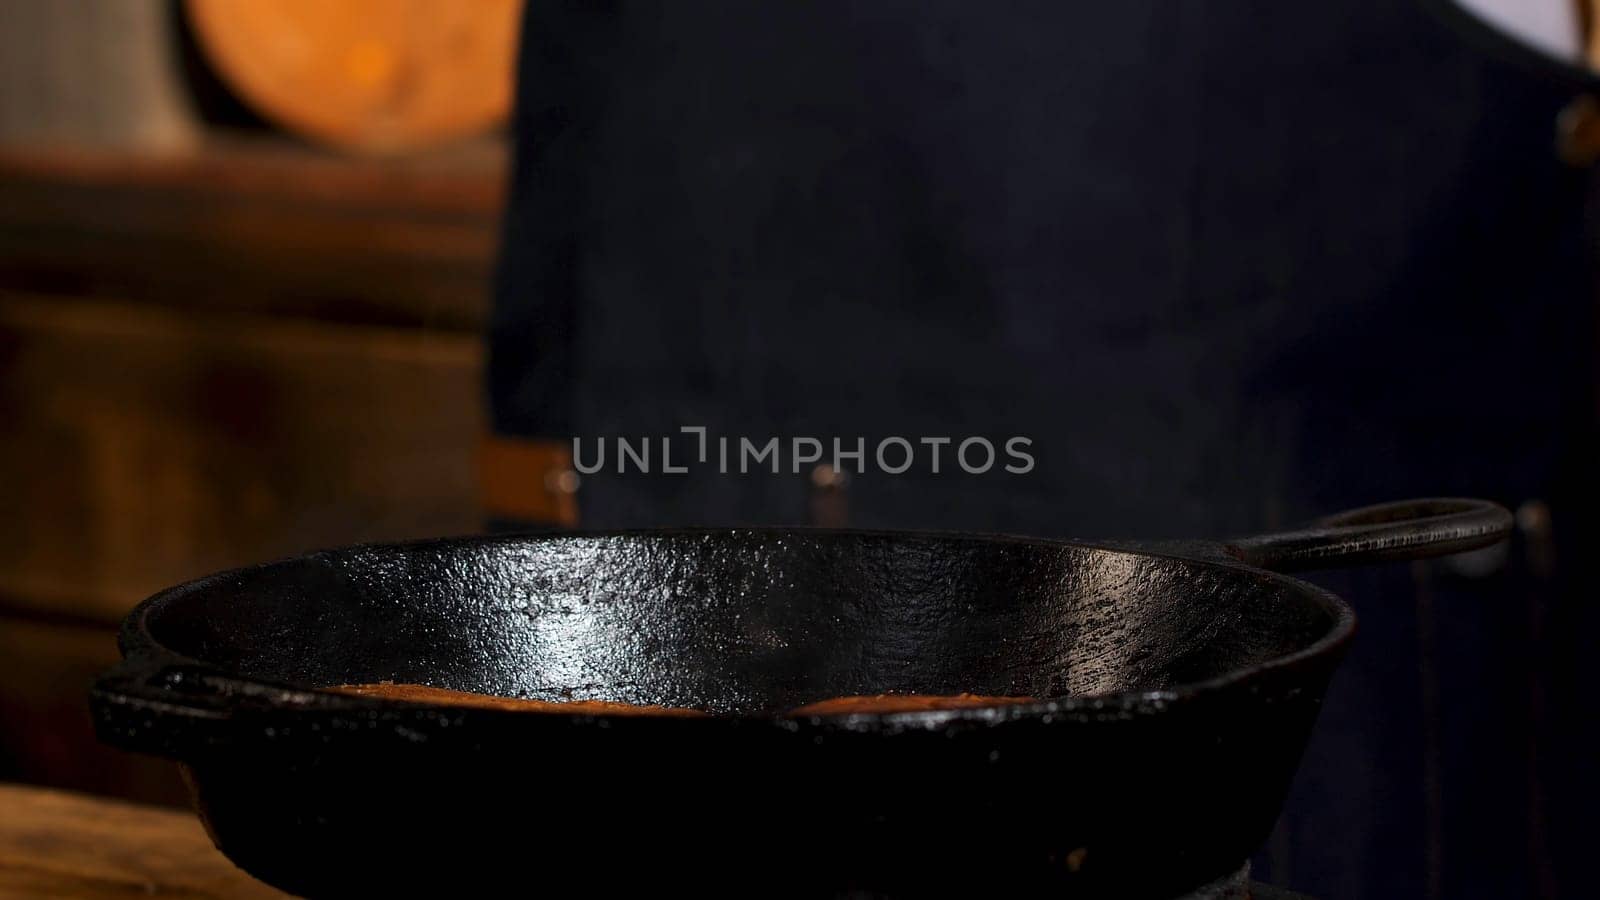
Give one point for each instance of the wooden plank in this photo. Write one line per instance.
(140, 447)
(54, 844)
(259, 228)
(466, 180)
(45, 734)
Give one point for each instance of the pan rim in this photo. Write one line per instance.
(137, 642)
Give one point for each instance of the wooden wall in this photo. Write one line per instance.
(212, 359)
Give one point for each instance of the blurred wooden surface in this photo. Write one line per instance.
(45, 672)
(528, 481)
(142, 446)
(258, 226)
(209, 360)
(54, 844)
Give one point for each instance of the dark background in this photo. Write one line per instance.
(1230, 266)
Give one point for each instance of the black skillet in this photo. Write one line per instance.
(1184, 681)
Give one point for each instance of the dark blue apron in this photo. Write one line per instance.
(1226, 265)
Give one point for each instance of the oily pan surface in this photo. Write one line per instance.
(744, 622)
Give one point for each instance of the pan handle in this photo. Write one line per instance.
(168, 707)
(128, 702)
(1405, 529)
